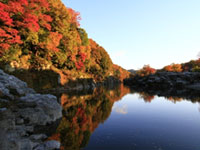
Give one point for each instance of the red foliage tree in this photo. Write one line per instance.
(45, 20)
(21, 14)
(173, 68)
(81, 57)
(8, 35)
(74, 16)
(146, 70)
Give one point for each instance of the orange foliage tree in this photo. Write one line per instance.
(193, 65)
(120, 73)
(173, 68)
(146, 70)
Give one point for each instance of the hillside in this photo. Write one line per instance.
(191, 66)
(46, 35)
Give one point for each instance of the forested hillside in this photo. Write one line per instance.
(191, 66)
(46, 35)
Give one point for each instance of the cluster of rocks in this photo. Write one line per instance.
(22, 110)
(84, 85)
(167, 83)
(91, 84)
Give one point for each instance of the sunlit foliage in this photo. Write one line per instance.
(146, 70)
(47, 31)
(173, 68)
(193, 65)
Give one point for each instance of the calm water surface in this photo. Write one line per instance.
(119, 120)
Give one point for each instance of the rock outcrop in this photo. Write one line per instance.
(84, 85)
(22, 110)
(167, 83)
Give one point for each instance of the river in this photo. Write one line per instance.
(121, 119)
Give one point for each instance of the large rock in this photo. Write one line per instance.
(11, 86)
(21, 112)
(49, 145)
(46, 111)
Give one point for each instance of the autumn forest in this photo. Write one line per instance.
(44, 34)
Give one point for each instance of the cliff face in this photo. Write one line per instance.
(46, 35)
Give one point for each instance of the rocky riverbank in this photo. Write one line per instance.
(167, 83)
(48, 81)
(87, 85)
(22, 111)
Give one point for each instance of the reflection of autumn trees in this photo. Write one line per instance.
(174, 99)
(146, 97)
(149, 97)
(83, 114)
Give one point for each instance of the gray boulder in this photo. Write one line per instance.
(23, 113)
(49, 145)
(11, 86)
(47, 109)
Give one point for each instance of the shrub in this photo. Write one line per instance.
(173, 68)
(146, 70)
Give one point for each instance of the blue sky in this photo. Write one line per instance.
(140, 32)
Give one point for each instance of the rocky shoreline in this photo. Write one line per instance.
(185, 84)
(84, 85)
(22, 110)
(47, 81)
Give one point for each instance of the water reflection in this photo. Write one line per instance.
(199, 107)
(146, 97)
(82, 115)
(149, 96)
(121, 110)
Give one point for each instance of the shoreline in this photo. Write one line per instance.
(185, 84)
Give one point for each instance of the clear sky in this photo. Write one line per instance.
(139, 32)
